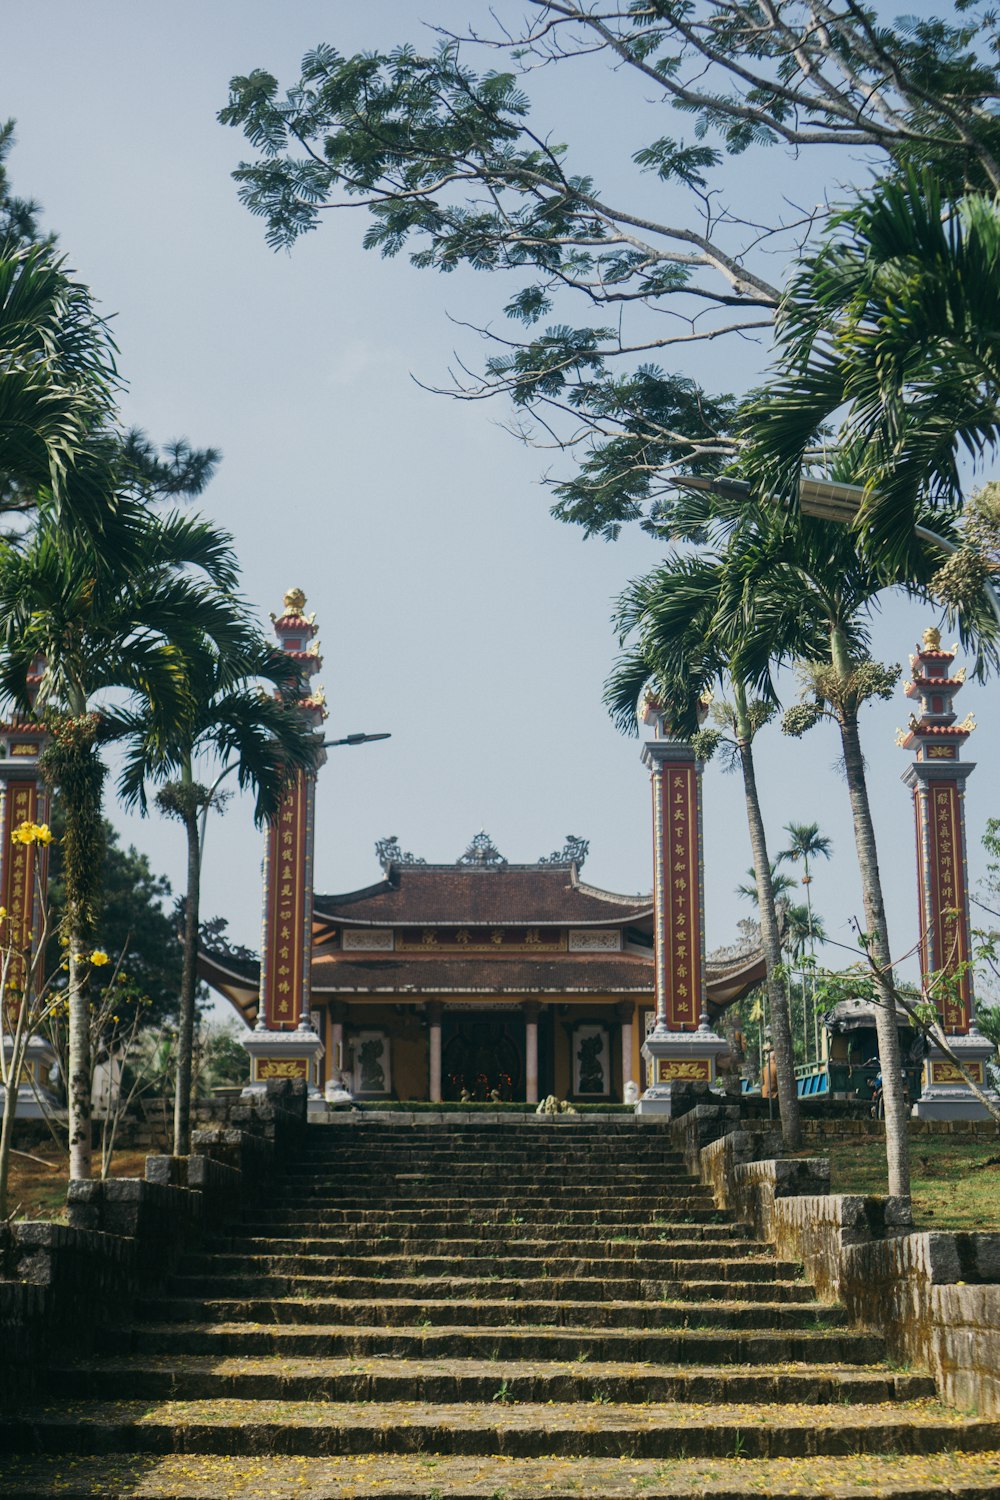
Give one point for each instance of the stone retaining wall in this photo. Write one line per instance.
(60, 1282)
(934, 1296)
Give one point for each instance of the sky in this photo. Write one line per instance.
(455, 613)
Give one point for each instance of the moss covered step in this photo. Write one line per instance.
(377, 1235)
(691, 1346)
(499, 1289)
(937, 1476)
(664, 1215)
(654, 1262)
(519, 1429)
(445, 1379)
(497, 1241)
(646, 1266)
(584, 1317)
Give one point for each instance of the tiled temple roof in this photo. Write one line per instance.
(450, 895)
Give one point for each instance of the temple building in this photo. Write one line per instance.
(481, 979)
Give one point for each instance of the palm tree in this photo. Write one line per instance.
(805, 843)
(780, 885)
(265, 738)
(897, 319)
(682, 649)
(97, 625)
(806, 578)
(57, 385)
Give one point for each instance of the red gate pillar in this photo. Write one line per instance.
(24, 798)
(937, 778)
(682, 1048)
(284, 1043)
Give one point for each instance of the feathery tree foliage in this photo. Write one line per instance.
(610, 280)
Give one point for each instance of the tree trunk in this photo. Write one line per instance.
(189, 982)
(15, 1068)
(80, 1081)
(781, 1028)
(897, 1143)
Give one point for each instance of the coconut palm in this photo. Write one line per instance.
(93, 625)
(263, 737)
(681, 648)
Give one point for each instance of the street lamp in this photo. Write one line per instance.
(350, 739)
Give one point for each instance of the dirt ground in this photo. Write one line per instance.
(38, 1179)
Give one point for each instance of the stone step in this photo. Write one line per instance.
(696, 1266)
(447, 1380)
(527, 1430)
(682, 1347)
(428, 1236)
(968, 1475)
(458, 1288)
(582, 1317)
(259, 1219)
(392, 1248)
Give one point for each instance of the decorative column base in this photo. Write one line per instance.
(276, 1055)
(945, 1095)
(36, 1097)
(681, 1058)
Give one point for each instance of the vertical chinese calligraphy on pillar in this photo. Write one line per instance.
(944, 929)
(677, 882)
(937, 778)
(23, 870)
(287, 916)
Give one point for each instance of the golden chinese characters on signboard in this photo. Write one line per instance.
(946, 944)
(681, 886)
(284, 938)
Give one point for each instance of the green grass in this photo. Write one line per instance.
(955, 1181)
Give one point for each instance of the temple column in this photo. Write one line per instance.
(682, 1048)
(532, 1010)
(625, 1011)
(338, 1015)
(434, 1010)
(937, 778)
(24, 798)
(284, 1043)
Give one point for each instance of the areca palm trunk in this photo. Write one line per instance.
(897, 1145)
(71, 762)
(79, 1089)
(189, 978)
(781, 1027)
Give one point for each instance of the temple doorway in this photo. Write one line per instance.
(483, 1053)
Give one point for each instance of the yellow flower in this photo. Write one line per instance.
(32, 833)
(99, 958)
(3, 913)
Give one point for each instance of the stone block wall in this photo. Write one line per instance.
(934, 1296)
(60, 1282)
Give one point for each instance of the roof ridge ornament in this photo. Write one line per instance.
(573, 852)
(482, 851)
(388, 852)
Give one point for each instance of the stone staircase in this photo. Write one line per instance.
(491, 1309)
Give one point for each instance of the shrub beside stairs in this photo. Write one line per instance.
(494, 1309)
